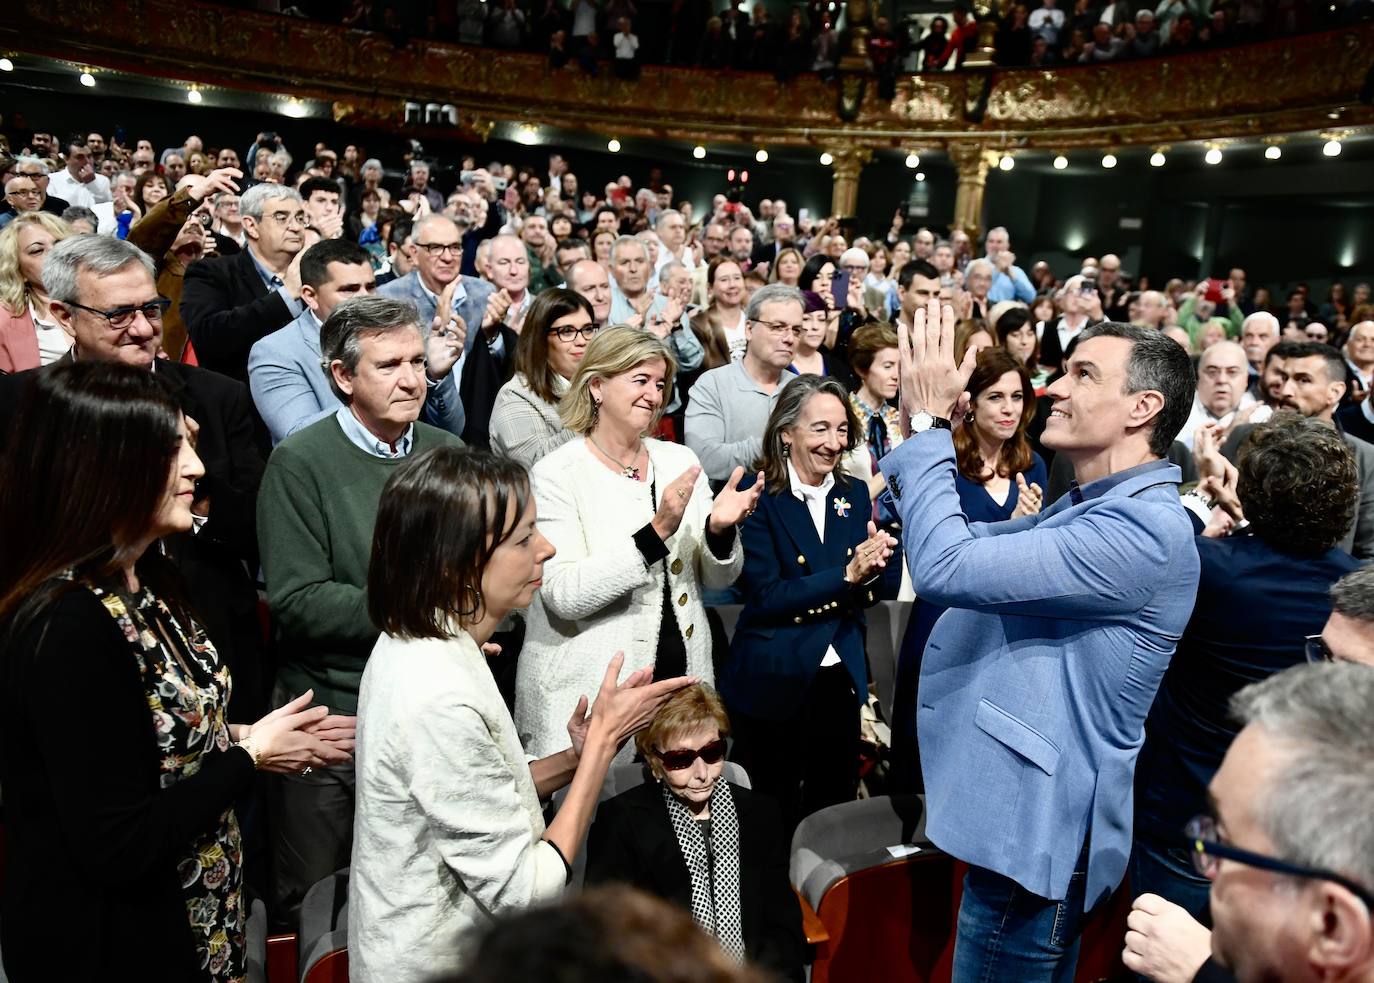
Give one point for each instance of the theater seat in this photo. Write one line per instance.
(882, 892)
(323, 938)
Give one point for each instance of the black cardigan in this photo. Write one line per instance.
(91, 889)
(632, 841)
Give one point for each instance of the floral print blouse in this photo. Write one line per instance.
(187, 689)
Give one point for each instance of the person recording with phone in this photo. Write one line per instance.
(1080, 307)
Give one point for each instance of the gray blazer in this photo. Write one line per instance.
(291, 390)
(469, 301)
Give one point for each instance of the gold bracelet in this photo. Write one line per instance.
(250, 745)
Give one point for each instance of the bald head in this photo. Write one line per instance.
(588, 278)
(1222, 377)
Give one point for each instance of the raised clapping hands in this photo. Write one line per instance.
(871, 556)
(1029, 498)
(931, 382)
(733, 506)
(674, 503)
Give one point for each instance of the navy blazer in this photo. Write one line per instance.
(796, 601)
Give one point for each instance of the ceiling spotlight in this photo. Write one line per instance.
(1272, 152)
(1006, 163)
(294, 108)
(1109, 160)
(1213, 156)
(613, 145)
(827, 158)
(920, 175)
(1061, 162)
(761, 156)
(87, 79)
(193, 95)
(1332, 148)
(699, 152)
(1157, 159)
(913, 161)
(6, 65)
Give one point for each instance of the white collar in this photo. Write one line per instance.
(809, 492)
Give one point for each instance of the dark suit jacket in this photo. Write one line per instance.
(220, 561)
(226, 308)
(632, 841)
(796, 601)
(483, 377)
(225, 245)
(1350, 417)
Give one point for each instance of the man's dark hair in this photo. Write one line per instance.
(1282, 349)
(1156, 362)
(1353, 595)
(315, 262)
(575, 244)
(77, 140)
(1297, 484)
(401, 230)
(914, 268)
(312, 184)
(603, 209)
(1335, 361)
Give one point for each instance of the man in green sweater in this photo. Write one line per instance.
(316, 510)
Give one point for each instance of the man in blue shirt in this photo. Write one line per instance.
(1035, 685)
(1009, 281)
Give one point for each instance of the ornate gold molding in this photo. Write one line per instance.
(1255, 91)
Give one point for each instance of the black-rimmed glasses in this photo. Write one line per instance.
(123, 317)
(1206, 851)
(780, 328)
(439, 248)
(1316, 649)
(568, 333)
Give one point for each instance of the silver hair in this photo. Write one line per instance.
(1266, 317)
(372, 162)
(419, 165)
(252, 201)
(666, 271)
(431, 219)
(101, 255)
(623, 241)
(1317, 805)
(31, 161)
(981, 263)
(1353, 595)
(341, 334)
(667, 213)
(771, 294)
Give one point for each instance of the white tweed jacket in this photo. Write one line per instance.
(447, 832)
(598, 598)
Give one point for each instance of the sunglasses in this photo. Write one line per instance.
(681, 758)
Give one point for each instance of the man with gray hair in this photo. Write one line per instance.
(230, 302)
(672, 234)
(635, 301)
(1258, 333)
(729, 409)
(316, 511)
(35, 169)
(1009, 281)
(419, 185)
(1288, 844)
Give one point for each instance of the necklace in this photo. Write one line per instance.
(628, 470)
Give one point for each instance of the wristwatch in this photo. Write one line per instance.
(923, 421)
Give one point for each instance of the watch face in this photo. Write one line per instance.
(921, 421)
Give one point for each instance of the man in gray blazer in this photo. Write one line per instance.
(289, 384)
(436, 248)
(1036, 683)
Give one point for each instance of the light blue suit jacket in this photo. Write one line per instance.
(1036, 684)
(291, 390)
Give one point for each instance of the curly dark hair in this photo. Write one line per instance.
(1297, 484)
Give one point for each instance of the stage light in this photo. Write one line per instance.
(6, 65)
(1272, 153)
(913, 161)
(1109, 160)
(1157, 159)
(761, 156)
(294, 108)
(699, 152)
(1006, 163)
(1061, 162)
(920, 175)
(193, 95)
(827, 158)
(613, 145)
(1332, 148)
(87, 79)
(1213, 156)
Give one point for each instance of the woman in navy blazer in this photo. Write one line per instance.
(796, 676)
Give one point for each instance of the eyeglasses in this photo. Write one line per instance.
(23, 193)
(680, 758)
(568, 332)
(1317, 650)
(288, 218)
(440, 248)
(1207, 852)
(34, 175)
(778, 328)
(123, 317)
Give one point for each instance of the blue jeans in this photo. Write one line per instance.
(1167, 870)
(1008, 934)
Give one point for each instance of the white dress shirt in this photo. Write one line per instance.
(813, 497)
(73, 192)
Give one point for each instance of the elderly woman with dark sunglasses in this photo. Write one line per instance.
(708, 845)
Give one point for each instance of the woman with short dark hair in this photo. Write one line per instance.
(448, 832)
(120, 766)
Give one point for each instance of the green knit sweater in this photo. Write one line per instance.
(316, 510)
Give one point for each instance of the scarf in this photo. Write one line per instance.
(714, 869)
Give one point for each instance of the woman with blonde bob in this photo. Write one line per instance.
(637, 537)
(709, 846)
(29, 335)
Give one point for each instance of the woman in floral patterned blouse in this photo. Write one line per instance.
(117, 758)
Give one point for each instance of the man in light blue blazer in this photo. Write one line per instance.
(290, 386)
(1035, 685)
(437, 251)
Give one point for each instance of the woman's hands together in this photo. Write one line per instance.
(871, 555)
(297, 736)
(1029, 498)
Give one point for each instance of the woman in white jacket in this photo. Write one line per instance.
(637, 533)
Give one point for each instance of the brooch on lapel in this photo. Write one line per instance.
(842, 507)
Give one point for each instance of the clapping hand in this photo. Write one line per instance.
(931, 382)
(287, 742)
(674, 503)
(733, 506)
(623, 709)
(497, 306)
(1029, 498)
(578, 724)
(871, 556)
(1163, 942)
(448, 334)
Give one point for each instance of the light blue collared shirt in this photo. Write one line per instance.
(364, 439)
(271, 281)
(1012, 285)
